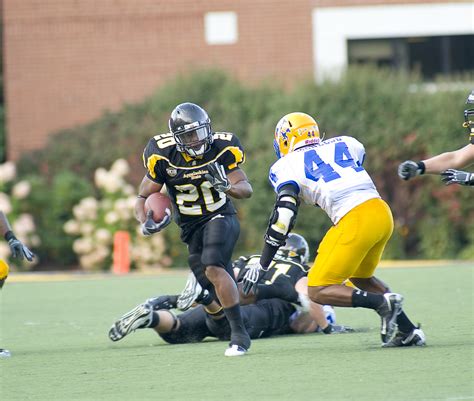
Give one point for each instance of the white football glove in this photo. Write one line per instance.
(19, 250)
(249, 282)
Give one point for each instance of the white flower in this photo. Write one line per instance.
(5, 204)
(86, 209)
(128, 190)
(103, 236)
(90, 203)
(71, 227)
(111, 217)
(24, 224)
(7, 172)
(100, 177)
(87, 262)
(120, 167)
(82, 246)
(86, 228)
(35, 241)
(21, 190)
(122, 208)
(131, 200)
(113, 184)
(102, 252)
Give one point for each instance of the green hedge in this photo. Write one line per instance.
(386, 111)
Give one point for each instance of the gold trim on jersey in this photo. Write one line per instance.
(235, 150)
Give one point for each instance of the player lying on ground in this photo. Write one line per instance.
(266, 318)
(275, 309)
(285, 279)
(329, 174)
(446, 163)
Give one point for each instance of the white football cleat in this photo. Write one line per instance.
(235, 350)
(4, 353)
(190, 293)
(138, 318)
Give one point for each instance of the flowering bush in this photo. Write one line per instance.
(96, 220)
(14, 197)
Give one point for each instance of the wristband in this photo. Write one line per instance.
(422, 167)
(9, 235)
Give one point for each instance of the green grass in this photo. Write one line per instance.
(57, 333)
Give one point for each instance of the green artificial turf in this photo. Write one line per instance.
(57, 333)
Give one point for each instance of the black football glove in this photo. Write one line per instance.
(149, 226)
(409, 169)
(19, 250)
(217, 177)
(452, 176)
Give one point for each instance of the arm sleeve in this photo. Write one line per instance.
(152, 161)
(234, 154)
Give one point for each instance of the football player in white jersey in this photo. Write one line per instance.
(329, 174)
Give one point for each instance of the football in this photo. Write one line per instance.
(160, 204)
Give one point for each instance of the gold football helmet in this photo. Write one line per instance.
(3, 272)
(294, 131)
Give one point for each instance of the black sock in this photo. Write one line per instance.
(364, 299)
(404, 324)
(239, 334)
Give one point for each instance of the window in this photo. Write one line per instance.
(221, 28)
(431, 56)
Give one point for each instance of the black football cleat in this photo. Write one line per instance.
(388, 311)
(415, 338)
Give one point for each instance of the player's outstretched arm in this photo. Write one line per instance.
(17, 248)
(434, 165)
(456, 159)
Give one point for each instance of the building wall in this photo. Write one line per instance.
(66, 61)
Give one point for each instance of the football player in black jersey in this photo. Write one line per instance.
(263, 319)
(272, 310)
(200, 169)
(286, 278)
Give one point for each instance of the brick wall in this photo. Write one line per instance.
(66, 61)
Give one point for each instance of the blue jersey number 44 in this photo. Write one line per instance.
(315, 167)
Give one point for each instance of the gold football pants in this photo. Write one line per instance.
(354, 246)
